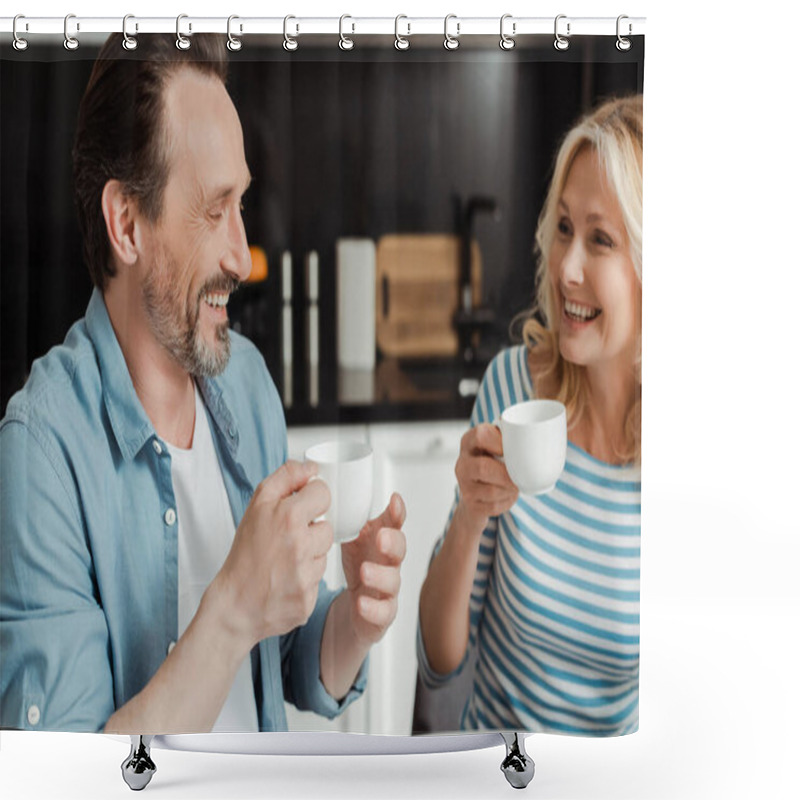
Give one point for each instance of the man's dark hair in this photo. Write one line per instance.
(120, 130)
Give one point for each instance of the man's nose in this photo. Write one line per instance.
(236, 259)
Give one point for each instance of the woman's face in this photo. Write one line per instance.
(598, 295)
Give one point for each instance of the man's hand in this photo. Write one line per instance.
(372, 569)
(269, 581)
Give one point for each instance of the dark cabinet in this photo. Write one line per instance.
(357, 144)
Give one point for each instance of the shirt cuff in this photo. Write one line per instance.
(309, 692)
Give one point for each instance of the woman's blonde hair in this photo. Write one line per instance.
(614, 131)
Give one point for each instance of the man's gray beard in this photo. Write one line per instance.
(179, 332)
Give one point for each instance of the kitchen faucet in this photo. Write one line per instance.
(469, 319)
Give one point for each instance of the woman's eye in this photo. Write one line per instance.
(603, 239)
(563, 227)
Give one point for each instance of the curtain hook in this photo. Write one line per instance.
(289, 42)
(182, 43)
(623, 44)
(128, 42)
(561, 42)
(345, 43)
(70, 42)
(19, 43)
(451, 42)
(233, 44)
(507, 42)
(400, 42)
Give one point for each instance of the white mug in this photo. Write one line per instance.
(346, 467)
(534, 444)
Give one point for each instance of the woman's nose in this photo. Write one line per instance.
(572, 264)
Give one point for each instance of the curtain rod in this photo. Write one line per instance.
(295, 27)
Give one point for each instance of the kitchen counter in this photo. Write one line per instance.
(397, 390)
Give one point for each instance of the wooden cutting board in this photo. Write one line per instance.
(417, 285)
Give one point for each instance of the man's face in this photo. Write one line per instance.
(197, 250)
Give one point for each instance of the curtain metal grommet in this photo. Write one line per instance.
(561, 42)
(401, 42)
(623, 44)
(345, 42)
(18, 42)
(289, 42)
(70, 42)
(451, 42)
(233, 44)
(507, 41)
(128, 42)
(182, 43)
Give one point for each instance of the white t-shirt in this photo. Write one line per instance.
(205, 534)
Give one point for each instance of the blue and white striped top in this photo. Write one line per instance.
(554, 609)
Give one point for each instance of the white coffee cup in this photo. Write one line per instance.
(534, 444)
(346, 468)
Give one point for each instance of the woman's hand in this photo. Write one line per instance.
(485, 486)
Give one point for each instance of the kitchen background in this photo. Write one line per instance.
(391, 216)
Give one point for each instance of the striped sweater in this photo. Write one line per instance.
(554, 608)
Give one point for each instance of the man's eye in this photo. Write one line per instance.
(215, 214)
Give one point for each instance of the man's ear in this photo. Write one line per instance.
(121, 214)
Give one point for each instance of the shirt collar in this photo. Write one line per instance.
(129, 421)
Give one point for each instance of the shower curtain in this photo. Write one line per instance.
(390, 220)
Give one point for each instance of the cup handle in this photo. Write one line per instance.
(496, 422)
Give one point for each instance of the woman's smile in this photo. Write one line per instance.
(580, 313)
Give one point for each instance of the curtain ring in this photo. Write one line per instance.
(400, 42)
(507, 42)
(233, 44)
(623, 44)
(128, 42)
(451, 42)
(345, 43)
(182, 43)
(70, 42)
(19, 43)
(289, 42)
(561, 42)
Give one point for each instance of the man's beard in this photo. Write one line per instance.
(174, 321)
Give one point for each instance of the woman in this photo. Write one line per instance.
(544, 590)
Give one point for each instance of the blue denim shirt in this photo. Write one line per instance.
(88, 540)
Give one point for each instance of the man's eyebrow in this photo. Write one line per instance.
(226, 191)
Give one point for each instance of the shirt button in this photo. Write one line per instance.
(169, 517)
(157, 446)
(232, 432)
(34, 715)
(170, 647)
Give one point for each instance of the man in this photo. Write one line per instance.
(161, 563)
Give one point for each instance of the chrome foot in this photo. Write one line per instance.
(138, 768)
(518, 766)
